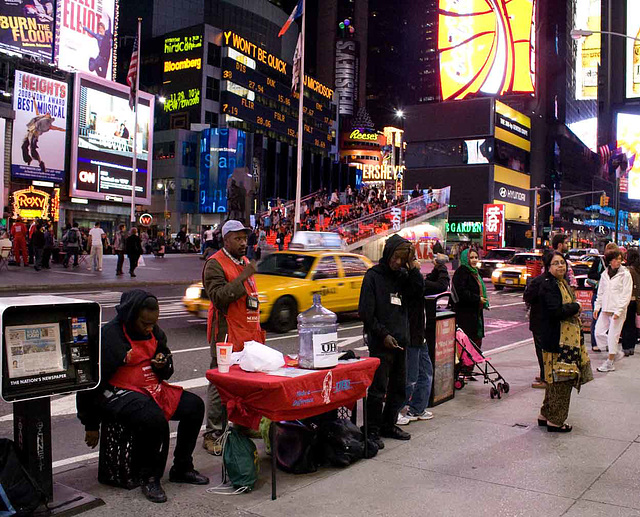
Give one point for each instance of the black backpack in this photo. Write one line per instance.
(72, 236)
(19, 493)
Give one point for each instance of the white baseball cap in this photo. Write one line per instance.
(233, 226)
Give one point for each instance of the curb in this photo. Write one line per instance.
(105, 285)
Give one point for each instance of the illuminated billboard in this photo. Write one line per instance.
(628, 135)
(102, 145)
(633, 49)
(27, 28)
(39, 128)
(486, 47)
(85, 32)
(587, 49)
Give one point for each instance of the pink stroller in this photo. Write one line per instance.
(471, 363)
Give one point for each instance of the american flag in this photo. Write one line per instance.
(606, 152)
(133, 72)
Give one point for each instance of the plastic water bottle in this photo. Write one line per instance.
(318, 333)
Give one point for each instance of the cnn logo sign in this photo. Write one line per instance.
(87, 177)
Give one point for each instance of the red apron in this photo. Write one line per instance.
(137, 375)
(243, 323)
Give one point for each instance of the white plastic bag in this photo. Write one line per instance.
(257, 357)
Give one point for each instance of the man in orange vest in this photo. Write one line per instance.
(19, 234)
(234, 314)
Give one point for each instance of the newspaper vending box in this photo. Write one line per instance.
(50, 346)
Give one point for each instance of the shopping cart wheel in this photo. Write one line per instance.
(506, 387)
(459, 384)
(493, 392)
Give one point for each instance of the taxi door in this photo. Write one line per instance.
(353, 270)
(326, 281)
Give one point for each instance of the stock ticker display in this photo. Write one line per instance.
(257, 89)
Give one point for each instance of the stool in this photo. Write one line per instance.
(116, 462)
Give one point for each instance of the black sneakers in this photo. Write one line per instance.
(396, 433)
(152, 490)
(375, 438)
(191, 477)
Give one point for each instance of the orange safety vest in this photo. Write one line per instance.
(243, 323)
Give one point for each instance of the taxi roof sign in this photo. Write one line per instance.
(306, 241)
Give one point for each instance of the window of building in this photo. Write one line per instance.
(164, 150)
(211, 118)
(189, 152)
(213, 89)
(213, 55)
(188, 190)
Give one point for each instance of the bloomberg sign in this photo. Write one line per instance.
(347, 59)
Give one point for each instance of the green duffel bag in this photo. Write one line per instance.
(240, 460)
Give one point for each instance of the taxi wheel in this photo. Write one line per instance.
(498, 287)
(284, 314)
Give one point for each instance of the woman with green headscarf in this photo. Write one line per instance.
(470, 297)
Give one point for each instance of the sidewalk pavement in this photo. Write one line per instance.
(476, 457)
(173, 269)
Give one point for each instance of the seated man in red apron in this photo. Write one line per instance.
(135, 363)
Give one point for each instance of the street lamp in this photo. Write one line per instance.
(535, 213)
(585, 33)
(165, 184)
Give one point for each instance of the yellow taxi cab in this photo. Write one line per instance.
(287, 281)
(514, 273)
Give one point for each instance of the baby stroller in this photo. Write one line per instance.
(472, 363)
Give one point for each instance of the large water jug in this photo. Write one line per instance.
(318, 334)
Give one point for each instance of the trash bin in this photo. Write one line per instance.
(440, 332)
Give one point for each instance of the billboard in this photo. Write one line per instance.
(39, 128)
(347, 71)
(633, 49)
(628, 135)
(85, 33)
(221, 152)
(486, 47)
(587, 16)
(102, 144)
(493, 224)
(27, 29)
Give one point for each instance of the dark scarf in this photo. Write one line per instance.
(612, 272)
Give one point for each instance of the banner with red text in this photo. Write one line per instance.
(27, 27)
(85, 32)
(493, 234)
(39, 129)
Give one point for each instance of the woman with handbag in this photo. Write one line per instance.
(566, 361)
(469, 296)
(630, 327)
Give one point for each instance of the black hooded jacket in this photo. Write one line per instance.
(382, 318)
(114, 350)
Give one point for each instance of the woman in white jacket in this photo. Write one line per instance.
(614, 295)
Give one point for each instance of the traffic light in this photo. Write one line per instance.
(604, 200)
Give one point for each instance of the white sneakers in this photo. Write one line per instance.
(607, 366)
(412, 417)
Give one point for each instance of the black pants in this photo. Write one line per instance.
(151, 430)
(46, 258)
(133, 263)
(71, 251)
(120, 261)
(537, 341)
(38, 255)
(389, 380)
(629, 331)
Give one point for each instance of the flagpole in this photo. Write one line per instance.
(135, 132)
(300, 123)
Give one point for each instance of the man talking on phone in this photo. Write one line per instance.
(234, 314)
(385, 292)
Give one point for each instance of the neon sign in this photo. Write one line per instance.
(181, 100)
(178, 44)
(30, 203)
(173, 66)
(357, 135)
(486, 46)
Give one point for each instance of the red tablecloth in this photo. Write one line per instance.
(250, 395)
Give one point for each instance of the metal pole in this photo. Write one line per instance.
(617, 205)
(134, 168)
(166, 206)
(535, 218)
(300, 123)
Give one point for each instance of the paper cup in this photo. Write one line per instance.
(223, 355)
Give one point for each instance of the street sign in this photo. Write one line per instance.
(546, 229)
(146, 219)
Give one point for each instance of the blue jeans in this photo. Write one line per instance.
(593, 320)
(419, 378)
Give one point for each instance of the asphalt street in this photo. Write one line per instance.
(505, 324)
